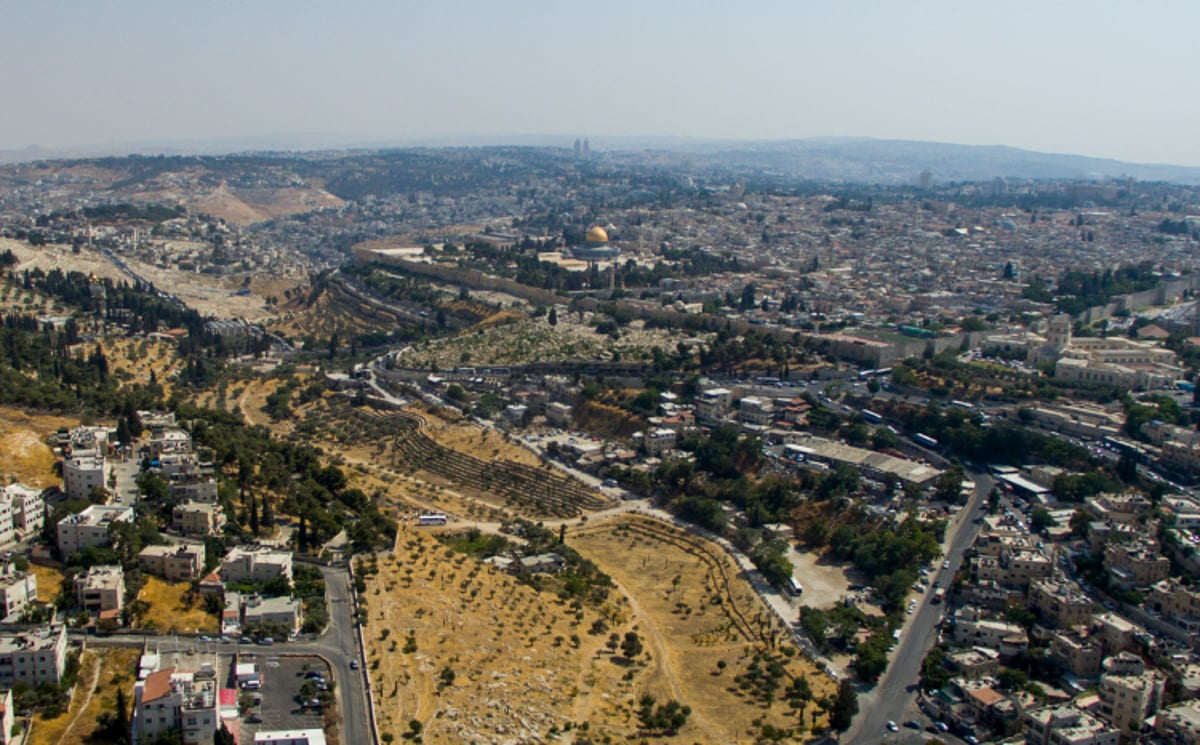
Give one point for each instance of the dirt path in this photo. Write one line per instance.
(87, 700)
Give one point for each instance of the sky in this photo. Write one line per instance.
(1098, 78)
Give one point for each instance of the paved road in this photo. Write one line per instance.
(340, 646)
(892, 698)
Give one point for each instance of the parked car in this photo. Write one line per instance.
(266, 641)
(892, 726)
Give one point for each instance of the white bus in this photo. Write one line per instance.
(794, 587)
(431, 519)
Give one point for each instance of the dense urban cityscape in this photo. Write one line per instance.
(560, 444)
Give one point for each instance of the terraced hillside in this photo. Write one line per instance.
(540, 491)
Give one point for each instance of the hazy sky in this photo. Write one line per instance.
(1113, 79)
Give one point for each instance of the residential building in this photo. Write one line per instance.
(713, 405)
(1136, 564)
(184, 467)
(17, 590)
(1077, 654)
(755, 411)
(181, 563)
(1014, 567)
(974, 663)
(231, 614)
(1118, 634)
(1119, 508)
(1129, 693)
(558, 414)
(1066, 725)
(1179, 724)
(1176, 601)
(33, 657)
(28, 508)
(259, 610)
(90, 527)
(255, 564)
(198, 518)
(6, 717)
(659, 441)
(203, 489)
(82, 473)
(1061, 602)
(7, 534)
(1185, 509)
(100, 588)
(169, 440)
(971, 628)
(171, 699)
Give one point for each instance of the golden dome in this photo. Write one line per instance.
(596, 235)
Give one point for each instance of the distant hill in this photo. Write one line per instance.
(901, 161)
(838, 159)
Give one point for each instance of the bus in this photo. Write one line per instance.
(963, 405)
(871, 416)
(431, 519)
(925, 440)
(794, 587)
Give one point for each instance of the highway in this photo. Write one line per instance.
(893, 697)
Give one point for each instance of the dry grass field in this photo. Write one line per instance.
(477, 657)
(101, 672)
(706, 627)
(49, 580)
(479, 442)
(169, 610)
(437, 616)
(25, 454)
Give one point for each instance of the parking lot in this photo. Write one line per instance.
(282, 678)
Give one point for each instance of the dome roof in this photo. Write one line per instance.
(596, 235)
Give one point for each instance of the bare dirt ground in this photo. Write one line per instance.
(825, 581)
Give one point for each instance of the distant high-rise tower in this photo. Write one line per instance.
(587, 148)
(925, 180)
(999, 186)
(578, 148)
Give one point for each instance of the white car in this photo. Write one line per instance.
(892, 726)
